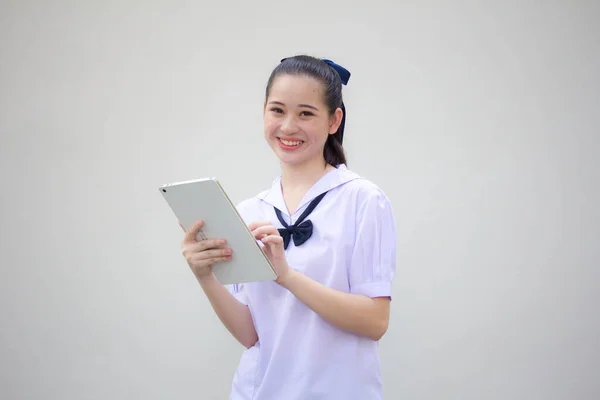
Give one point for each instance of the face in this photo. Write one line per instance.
(297, 122)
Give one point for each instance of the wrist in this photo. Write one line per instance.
(206, 278)
(285, 279)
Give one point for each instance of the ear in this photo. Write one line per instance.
(335, 121)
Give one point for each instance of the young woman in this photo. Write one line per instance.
(329, 233)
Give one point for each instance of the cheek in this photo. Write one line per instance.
(318, 131)
(269, 125)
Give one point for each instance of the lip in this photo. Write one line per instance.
(290, 139)
(289, 148)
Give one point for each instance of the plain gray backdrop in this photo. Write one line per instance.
(478, 119)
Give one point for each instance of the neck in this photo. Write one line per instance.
(303, 177)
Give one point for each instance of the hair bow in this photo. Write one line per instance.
(342, 72)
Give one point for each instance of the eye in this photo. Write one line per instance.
(306, 113)
(277, 110)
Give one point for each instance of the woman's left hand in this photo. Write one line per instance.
(269, 235)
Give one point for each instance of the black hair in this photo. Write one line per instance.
(332, 85)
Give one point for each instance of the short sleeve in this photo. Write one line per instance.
(373, 262)
(238, 291)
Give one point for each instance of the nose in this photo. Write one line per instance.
(288, 125)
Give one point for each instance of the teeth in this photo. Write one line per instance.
(290, 143)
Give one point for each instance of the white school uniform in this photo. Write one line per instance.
(299, 355)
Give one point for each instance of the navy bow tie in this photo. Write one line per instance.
(300, 231)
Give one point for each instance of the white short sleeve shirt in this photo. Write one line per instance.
(299, 355)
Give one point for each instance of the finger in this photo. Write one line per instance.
(207, 244)
(258, 224)
(272, 239)
(268, 229)
(209, 254)
(210, 261)
(260, 232)
(203, 245)
(190, 236)
(220, 259)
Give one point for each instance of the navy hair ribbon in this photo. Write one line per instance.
(342, 72)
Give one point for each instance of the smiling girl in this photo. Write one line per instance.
(330, 234)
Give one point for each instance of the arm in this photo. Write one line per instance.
(355, 313)
(232, 313)
(201, 256)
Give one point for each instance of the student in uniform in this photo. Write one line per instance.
(330, 234)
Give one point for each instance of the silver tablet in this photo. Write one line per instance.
(205, 199)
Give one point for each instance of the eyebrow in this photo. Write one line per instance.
(299, 105)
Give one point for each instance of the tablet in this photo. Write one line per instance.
(205, 199)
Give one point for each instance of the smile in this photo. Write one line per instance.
(289, 144)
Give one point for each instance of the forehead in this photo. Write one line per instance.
(296, 89)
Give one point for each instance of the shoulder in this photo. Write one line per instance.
(366, 201)
(250, 208)
(251, 202)
(374, 217)
(364, 190)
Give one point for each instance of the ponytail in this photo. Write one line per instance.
(334, 151)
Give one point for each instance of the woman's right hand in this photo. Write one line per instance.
(201, 255)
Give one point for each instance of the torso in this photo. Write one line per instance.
(299, 355)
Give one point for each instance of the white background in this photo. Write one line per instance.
(478, 119)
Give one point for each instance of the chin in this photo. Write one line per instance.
(293, 159)
(289, 159)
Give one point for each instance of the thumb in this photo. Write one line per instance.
(190, 235)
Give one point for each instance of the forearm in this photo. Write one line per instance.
(232, 313)
(355, 313)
